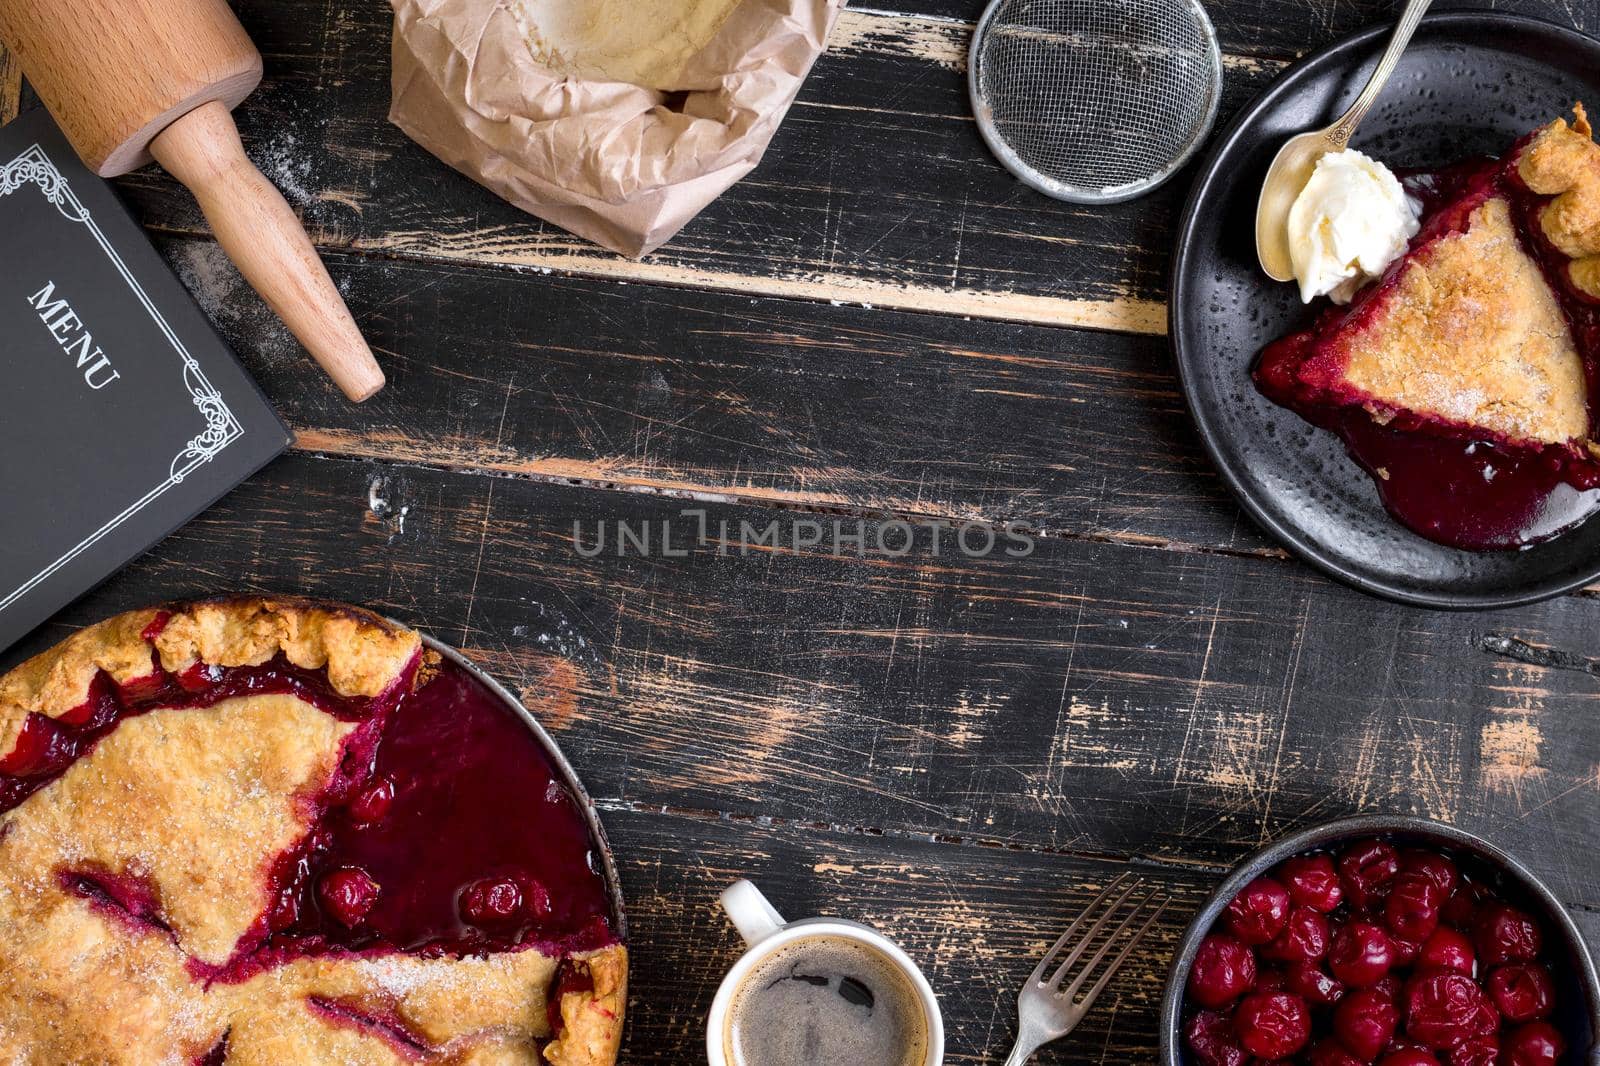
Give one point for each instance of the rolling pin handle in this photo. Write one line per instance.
(259, 231)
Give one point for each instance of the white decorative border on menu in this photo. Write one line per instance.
(35, 168)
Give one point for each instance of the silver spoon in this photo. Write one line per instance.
(1298, 157)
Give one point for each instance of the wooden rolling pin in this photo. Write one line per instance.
(132, 80)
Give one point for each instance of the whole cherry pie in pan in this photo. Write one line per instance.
(1465, 378)
(268, 832)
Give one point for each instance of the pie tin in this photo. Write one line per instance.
(568, 776)
(1578, 996)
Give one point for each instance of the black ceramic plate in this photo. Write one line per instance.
(1470, 84)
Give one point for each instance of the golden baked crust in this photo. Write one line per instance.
(79, 987)
(192, 806)
(129, 880)
(1472, 334)
(593, 1019)
(1563, 161)
(490, 1009)
(284, 1031)
(363, 654)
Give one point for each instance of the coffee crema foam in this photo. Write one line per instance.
(827, 1001)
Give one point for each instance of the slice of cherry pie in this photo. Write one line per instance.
(1464, 378)
(268, 832)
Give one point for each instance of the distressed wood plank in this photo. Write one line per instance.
(778, 402)
(828, 216)
(1273, 28)
(1091, 697)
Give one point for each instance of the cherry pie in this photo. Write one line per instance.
(267, 832)
(1464, 379)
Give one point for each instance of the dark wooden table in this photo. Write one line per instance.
(878, 323)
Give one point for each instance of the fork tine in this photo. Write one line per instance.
(1089, 935)
(1055, 948)
(1116, 963)
(1105, 945)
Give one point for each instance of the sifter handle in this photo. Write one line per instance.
(261, 234)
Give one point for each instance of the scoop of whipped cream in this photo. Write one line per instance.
(1350, 222)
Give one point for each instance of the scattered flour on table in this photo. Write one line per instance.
(287, 165)
(642, 42)
(224, 295)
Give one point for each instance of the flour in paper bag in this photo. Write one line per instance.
(641, 42)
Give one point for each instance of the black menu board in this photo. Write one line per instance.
(122, 413)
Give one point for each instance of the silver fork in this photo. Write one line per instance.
(1045, 1010)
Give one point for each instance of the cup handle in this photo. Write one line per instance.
(752, 915)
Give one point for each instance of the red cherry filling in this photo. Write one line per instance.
(427, 820)
(1360, 954)
(1272, 1025)
(1477, 1051)
(1411, 910)
(1408, 1056)
(372, 802)
(1331, 1053)
(1259, 912)
(43, 748)
(1366, 870)
(1211, 1040)
(573, 977)
(491, 901)
(1448, 949)
(1304, 938)
(1434, 867)
(1223, 970)
(1311, 984)
(1504, 934)
(217, 1056)
(1534, 1044)
(1364, 1022)
(1446, 1009)
(1312, 882)
(347, 894)
(122, 896)
(388, 1027)
(1523, 991)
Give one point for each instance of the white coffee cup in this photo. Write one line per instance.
(765, 932)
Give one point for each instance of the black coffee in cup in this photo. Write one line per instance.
(827, 1001)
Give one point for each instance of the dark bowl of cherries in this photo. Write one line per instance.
(1382, 940)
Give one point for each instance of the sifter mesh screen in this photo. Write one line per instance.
(1095, 100)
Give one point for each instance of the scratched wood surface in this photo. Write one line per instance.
(877, 325)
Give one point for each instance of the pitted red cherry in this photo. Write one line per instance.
(1224, 969)
(1259, 912)
(1360, 954)
(1366, 870)
(1523, 991)
(1364, 1022)
(1272, 1025)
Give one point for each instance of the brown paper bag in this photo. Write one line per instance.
(620, 164)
